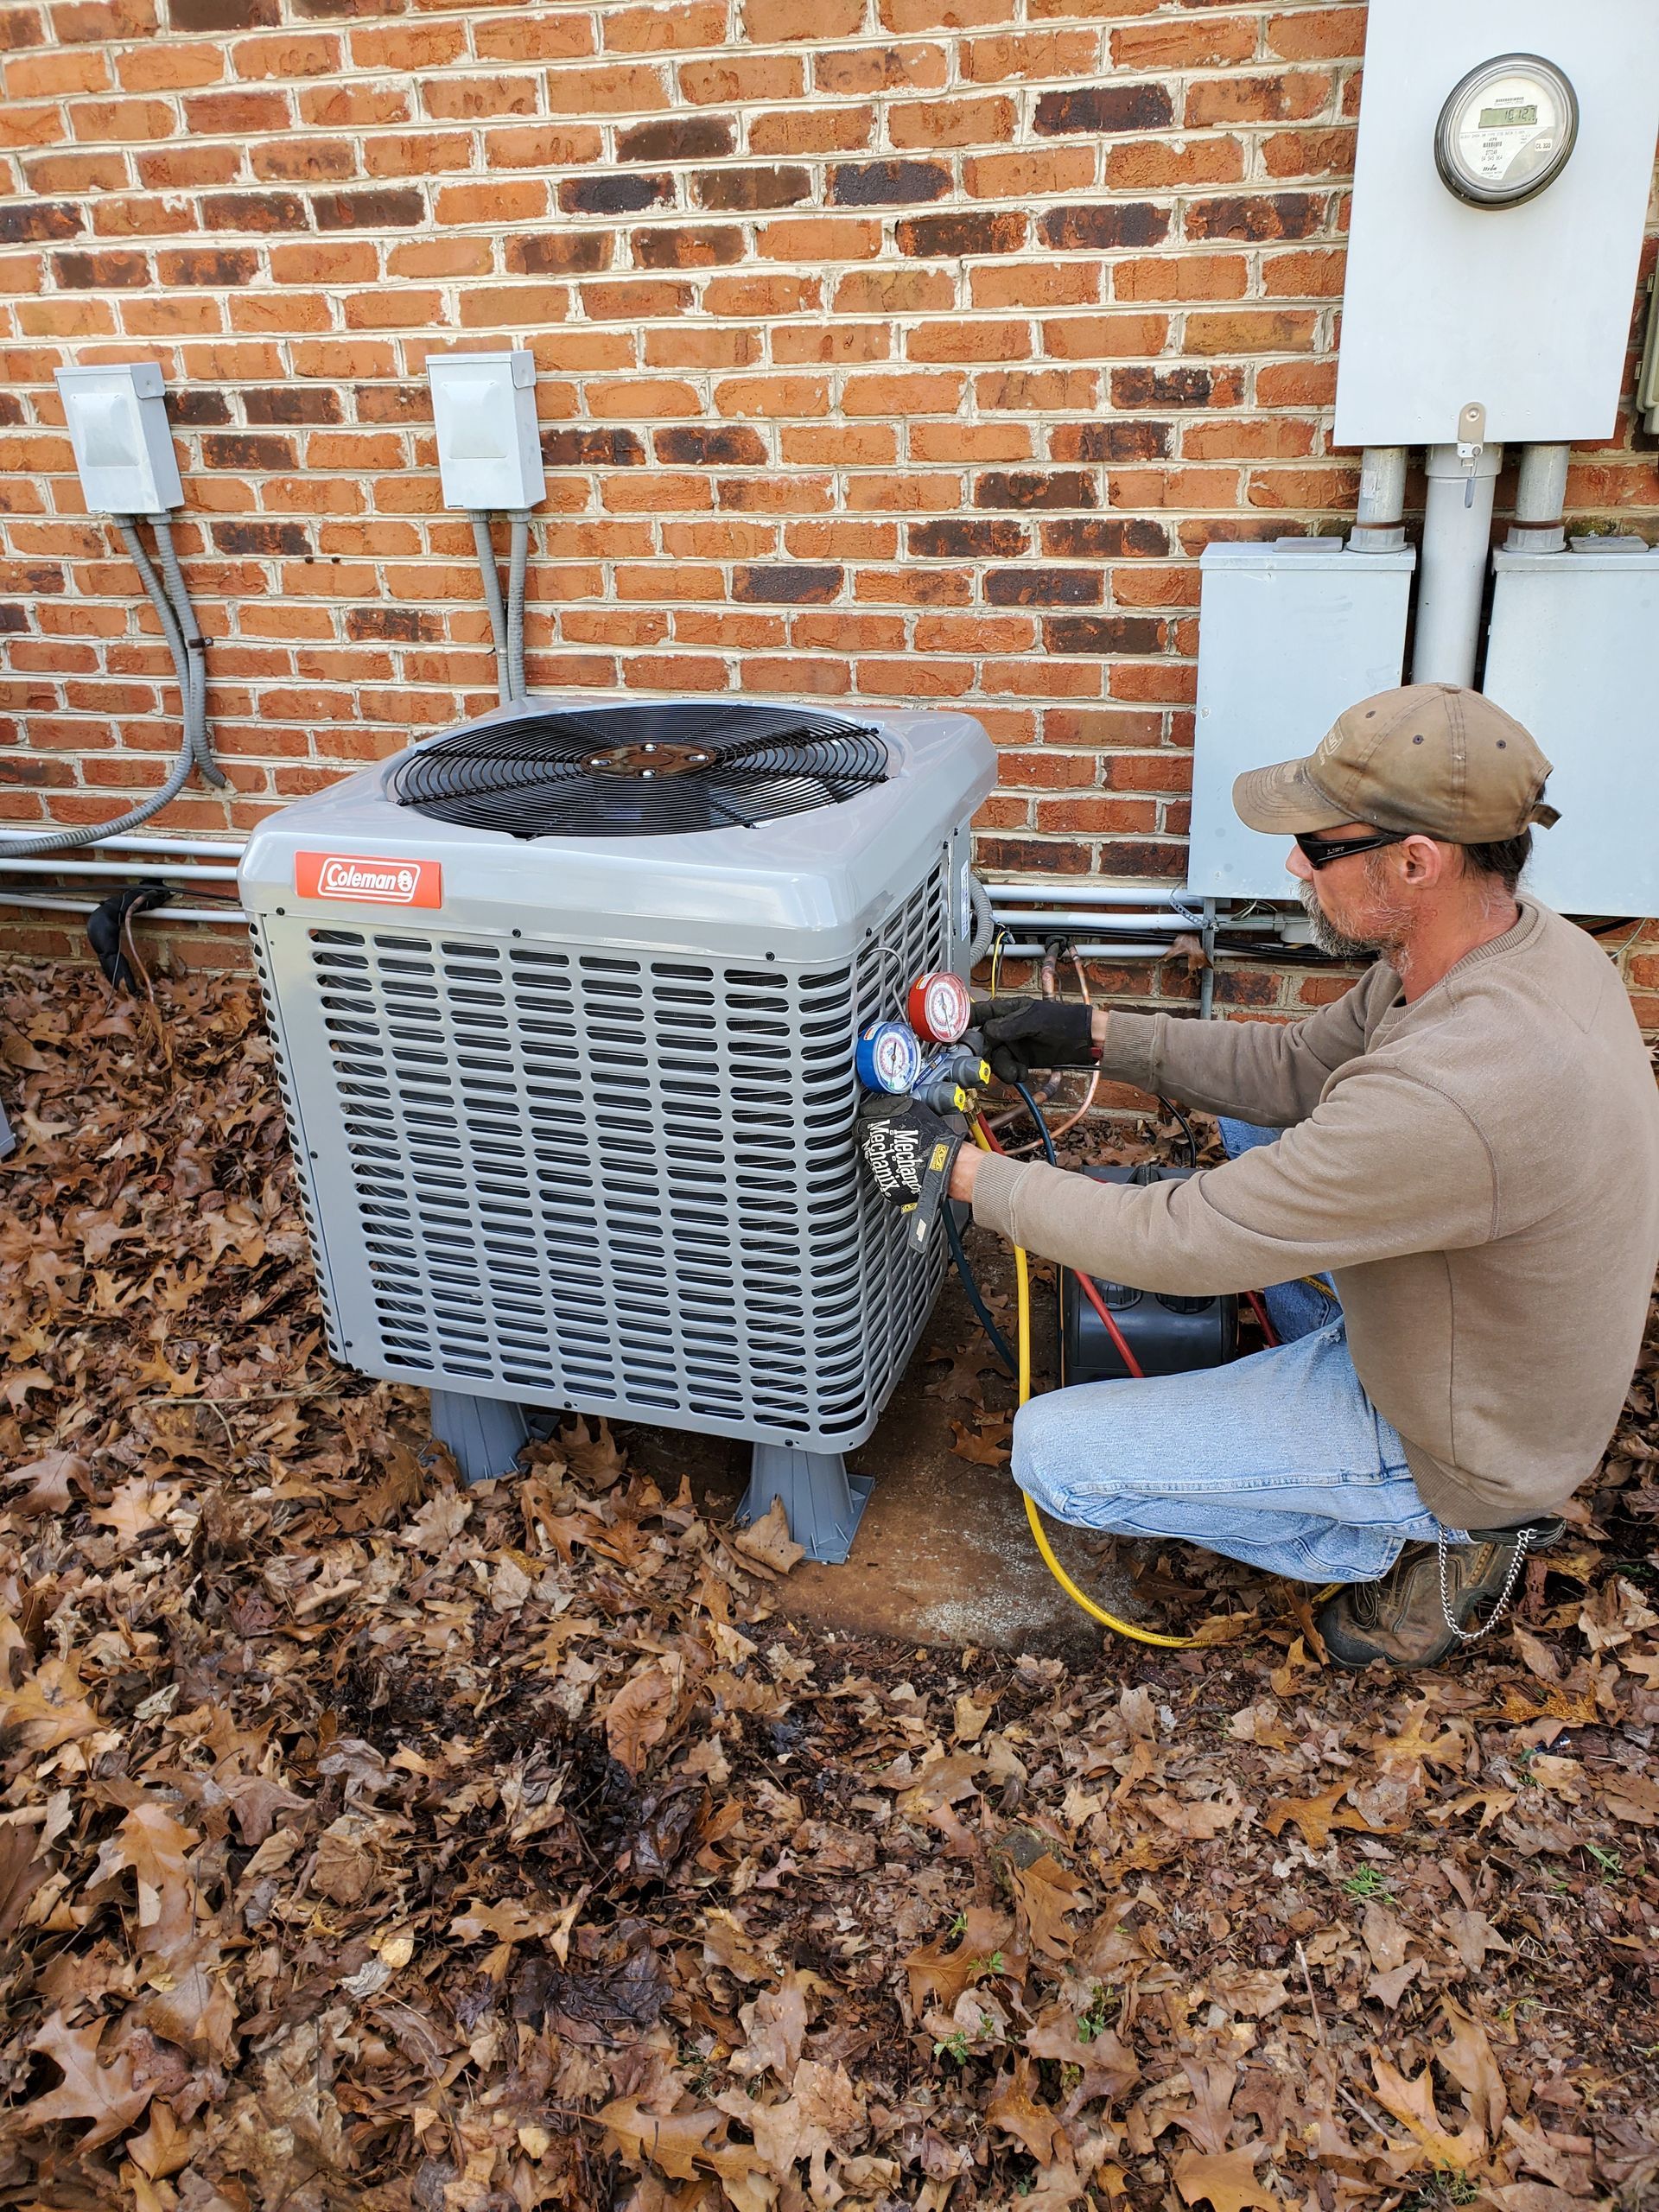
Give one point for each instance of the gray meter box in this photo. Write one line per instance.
(1525, 309)
(1570, 654)
(1291, 634)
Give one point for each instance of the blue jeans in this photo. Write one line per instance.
(1280, 1460)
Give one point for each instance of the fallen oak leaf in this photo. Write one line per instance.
(104, 2095)
(1225, 2180)
(637, 1717)
(1013, 2109)
(768, 1541)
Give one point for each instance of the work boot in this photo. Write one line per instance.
(1435, 1597)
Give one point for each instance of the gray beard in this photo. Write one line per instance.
(1326, 934)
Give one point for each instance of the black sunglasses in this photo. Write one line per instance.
(1320, 852)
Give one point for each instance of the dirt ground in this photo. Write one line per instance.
(369, 1842)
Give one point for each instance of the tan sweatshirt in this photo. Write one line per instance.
(1478, 1170)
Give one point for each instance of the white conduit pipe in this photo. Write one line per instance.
(191, 848)
(181, 871)
(1457, 546)
(1540, 497)
(1379, 523)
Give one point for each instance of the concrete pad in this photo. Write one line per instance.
(944, 1555)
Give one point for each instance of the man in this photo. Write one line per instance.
(1470, 1145)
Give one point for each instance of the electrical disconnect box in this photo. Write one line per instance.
(484, 411)
(123, 447)
(1292, 632)
(1570, 654)
(1500, 192)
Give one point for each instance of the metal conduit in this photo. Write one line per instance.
(43, 900)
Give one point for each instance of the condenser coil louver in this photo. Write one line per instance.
(573, 1111)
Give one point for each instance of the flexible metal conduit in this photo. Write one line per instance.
(171, 600)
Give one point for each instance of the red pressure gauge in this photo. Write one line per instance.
(938, 1006)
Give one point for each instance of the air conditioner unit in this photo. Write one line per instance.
(564, 1003)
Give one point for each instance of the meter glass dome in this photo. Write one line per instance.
(1506, 132)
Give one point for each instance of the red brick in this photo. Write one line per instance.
(824, 130)
(1318, 34)
(1295, 95)
(774, 22)
(665, 28)
(903, 18)
(730, 80)
(1206, 44)
(986, 121)
(1153, 165)
(850, 71)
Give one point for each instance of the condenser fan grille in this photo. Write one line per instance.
(647, 770)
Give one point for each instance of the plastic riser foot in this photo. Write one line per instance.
(484, 1435)
(822, 1501)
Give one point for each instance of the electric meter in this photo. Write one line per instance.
(1506, 130)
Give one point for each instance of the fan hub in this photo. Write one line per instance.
(646, 759)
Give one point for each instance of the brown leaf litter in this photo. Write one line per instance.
(366, 1842)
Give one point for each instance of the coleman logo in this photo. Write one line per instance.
(368, 881)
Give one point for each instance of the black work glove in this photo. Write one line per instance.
(1021, 1034)
(910, 1150)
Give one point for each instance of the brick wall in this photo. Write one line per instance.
(889, 350)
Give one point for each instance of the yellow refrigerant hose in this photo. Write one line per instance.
(1022, 1283)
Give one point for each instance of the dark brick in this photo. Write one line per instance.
(247, 450)
(403, 625)
(11, 408)
(227, 266)
(956, 537)
(261, 537)
(1104, 537)
(254, 211)
(36, 772)
(797, 584)
(100, 272)
(567, 448)
(947, 238)
(1149, 387)
(1045, 587)
(1134, 856)
(293, 403)
(396, 208)
(886, 184)
(703, 246)
(1032, 856)
(319, 11)
(1138, 439)
(14, 617)
(1264, 215)
(1105, 108)
(1103, 633)
(224, 15)
(700, 445)
(675, 138)
(558, 253)
(40, 219)
(1096, 227)
(732, 190)
(1028, 487)
(612, 195)
(196, 407)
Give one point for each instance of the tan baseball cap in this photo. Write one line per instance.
(1430, 757)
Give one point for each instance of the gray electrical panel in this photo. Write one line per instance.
(1570, 654)
(1289, 634)
(1523, 309)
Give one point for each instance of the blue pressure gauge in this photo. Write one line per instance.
(888, 1057)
